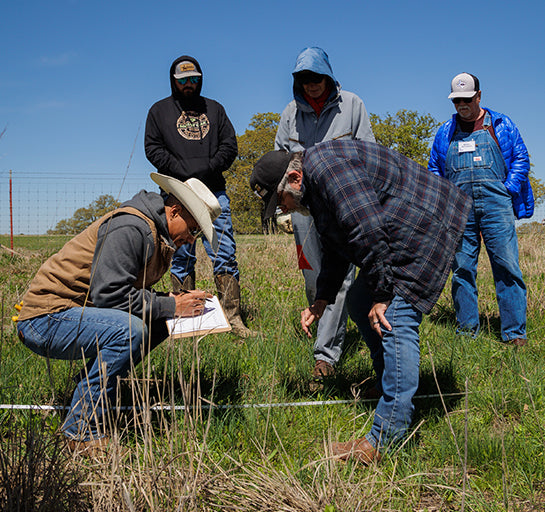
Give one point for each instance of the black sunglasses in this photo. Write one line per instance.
(192, 79)
(465, 100)
(309, 78)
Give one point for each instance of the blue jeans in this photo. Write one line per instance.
(396, 360)
(497, 227)
(109, 340)
(332, 325)
(224, 261)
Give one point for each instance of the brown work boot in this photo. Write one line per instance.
(188, 283)
(360, 449)
(229, 296)
(97, 448)
(91, 449)
(322, 370)
(518, 342)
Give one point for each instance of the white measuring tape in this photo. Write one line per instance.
(212, 406)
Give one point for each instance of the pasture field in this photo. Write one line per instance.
(477, 442)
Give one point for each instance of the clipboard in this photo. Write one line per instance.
(211, 321)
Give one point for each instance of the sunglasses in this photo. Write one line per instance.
(309, 78)
(465, 100)
(192, 79)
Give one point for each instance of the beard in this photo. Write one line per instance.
(297, 196)
(188, 92)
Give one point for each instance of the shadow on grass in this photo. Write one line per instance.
(222, 390)
(446, 317)
(355, 376)
(229, 386)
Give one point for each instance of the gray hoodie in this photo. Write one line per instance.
(343, 117)
(124, 247)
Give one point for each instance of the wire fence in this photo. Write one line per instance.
(40, 200)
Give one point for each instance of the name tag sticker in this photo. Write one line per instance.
(477, 158)
(466, 146)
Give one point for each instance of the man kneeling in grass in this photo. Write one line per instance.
(92, 300)
(381, 211)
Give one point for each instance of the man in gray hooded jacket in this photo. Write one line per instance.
(320, 112)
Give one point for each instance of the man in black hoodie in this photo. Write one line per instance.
(190, 136)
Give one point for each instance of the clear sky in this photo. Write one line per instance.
(77, 77)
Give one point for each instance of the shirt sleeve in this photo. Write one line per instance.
(157, 151)
(434, 164)
(361, 122)
(227, 144)
(519, 167)
(282, 139)
(124, 246)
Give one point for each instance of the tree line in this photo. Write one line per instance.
(408, 132)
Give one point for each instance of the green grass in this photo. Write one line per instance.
(478, 435)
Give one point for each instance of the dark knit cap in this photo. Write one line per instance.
(267, 174)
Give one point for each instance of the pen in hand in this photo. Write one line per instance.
(190, 302)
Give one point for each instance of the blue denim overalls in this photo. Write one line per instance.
(475, 164)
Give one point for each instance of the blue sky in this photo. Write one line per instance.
(77, 77)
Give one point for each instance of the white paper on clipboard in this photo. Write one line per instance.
(213, 320)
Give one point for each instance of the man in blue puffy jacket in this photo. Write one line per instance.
(483, 153)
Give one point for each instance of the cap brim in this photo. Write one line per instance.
(271, 201)
(194, 204)
(187, 74)
(469, 94)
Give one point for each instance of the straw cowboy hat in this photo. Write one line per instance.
(197, 198)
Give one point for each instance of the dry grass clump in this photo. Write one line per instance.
(36, 473)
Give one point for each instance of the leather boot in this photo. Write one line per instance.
(359, 449)
(97, 448)
(187, 284)
(229, 296)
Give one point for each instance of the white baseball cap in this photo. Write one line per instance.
(463, 85)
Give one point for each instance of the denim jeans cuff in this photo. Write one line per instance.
(372, 440)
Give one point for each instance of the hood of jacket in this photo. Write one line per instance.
(152, 206)
(316, 60)
(176, 94)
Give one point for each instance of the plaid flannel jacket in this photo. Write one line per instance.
(398, 222)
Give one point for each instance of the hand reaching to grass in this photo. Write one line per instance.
(312, 313)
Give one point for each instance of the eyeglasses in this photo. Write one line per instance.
(465, 100)
(195, 232)
(192, 79)
(309, 77)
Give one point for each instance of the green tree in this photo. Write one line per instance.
(538, 188)
(408, 132)
(84, 217)
(257, 140)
